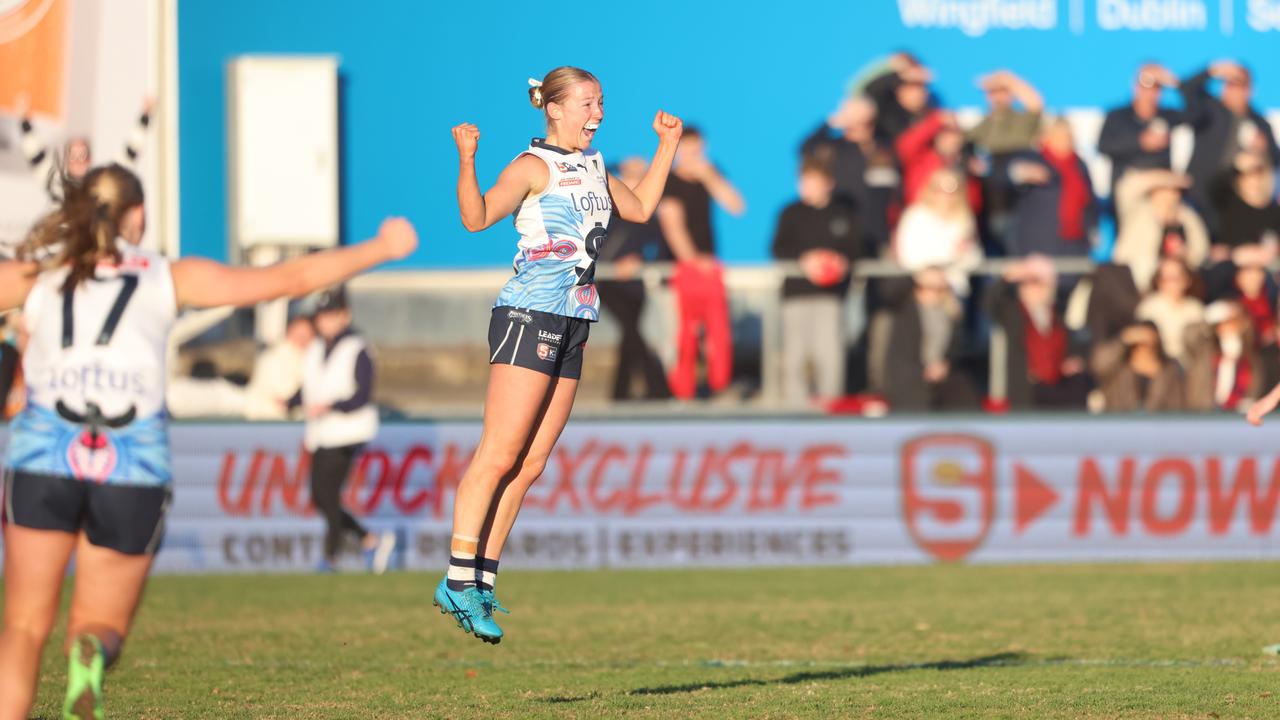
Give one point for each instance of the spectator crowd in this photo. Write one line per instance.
(1177, 314)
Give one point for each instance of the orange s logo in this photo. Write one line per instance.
(948, 493)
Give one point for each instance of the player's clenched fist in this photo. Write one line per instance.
(668, 126)
(398, 237)
(467, 137)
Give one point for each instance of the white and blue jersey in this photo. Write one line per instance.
(561, 231)
(94, 366)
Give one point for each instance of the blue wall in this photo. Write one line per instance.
(757, 76)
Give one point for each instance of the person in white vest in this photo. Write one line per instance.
(337, 395)
(88, 468)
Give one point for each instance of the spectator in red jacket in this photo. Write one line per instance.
(934, 143)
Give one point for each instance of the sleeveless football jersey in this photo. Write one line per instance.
(561, 232)
(95, 373)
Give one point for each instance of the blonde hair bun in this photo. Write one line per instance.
(553, 87)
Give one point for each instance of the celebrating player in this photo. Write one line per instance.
(88, 468)
(562, 197)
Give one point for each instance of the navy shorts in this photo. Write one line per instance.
(548, 343)
(126, 518)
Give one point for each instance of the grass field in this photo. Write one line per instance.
(1068, 641)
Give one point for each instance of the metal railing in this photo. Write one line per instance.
(762, 281)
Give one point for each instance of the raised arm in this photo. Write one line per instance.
(204, 283)
(526, 175)
(1196, 97)
(1025, 93)
(639, 205)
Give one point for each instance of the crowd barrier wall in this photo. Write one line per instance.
(758, 492)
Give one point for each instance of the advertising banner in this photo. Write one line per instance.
(769, 492)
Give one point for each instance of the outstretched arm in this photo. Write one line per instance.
(525, 175)
(204, 283)
(639, 205)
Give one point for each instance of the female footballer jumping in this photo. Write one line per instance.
(562, 198)
(88, 468)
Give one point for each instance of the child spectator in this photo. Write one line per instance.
(825, 238)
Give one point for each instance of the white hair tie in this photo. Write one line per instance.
(535, 83)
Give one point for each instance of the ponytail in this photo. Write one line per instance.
(83, 231)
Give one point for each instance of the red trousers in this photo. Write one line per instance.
(704, 313)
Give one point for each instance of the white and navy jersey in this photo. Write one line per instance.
(94, 367)
(561, 231)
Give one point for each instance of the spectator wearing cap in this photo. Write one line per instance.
(1053, 208)
(1045, 361)
(865, 168)
(1136, 136)
(824, 238)
(1225, 125)
(1134, 375)
(277, 373)
(337, 396)
(1224, 369)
